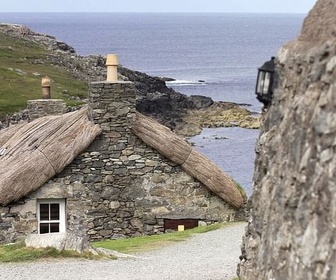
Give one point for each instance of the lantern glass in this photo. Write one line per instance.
(263, 83)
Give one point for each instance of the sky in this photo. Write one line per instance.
(184, 6)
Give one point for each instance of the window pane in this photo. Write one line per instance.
(50, 219)
(44, 228)
(44, 212)
(54, 227)
(54, 211)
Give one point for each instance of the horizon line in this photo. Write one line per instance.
(101, 12)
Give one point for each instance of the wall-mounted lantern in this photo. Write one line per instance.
(265, 80)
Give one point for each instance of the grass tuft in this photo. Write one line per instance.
(22, 65)
(240, 189)
(18, 252)
(146, 243)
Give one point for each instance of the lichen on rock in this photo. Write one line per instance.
(291, 231)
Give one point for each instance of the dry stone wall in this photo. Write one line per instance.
(119, 186)
(35, 109)
(292, 229)
(44, 107)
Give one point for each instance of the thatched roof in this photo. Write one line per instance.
(195, 164)
(32, 153)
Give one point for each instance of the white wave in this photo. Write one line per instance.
(186, 83)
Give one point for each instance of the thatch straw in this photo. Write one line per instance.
(195, 164)
(32, 153)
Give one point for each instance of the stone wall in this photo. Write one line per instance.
(35, 109)
(44, 107)
(291, 233)
(119, 187)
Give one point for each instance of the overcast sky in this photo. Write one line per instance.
(254, 6)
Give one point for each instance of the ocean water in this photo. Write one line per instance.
(232, 149)
(215, 55)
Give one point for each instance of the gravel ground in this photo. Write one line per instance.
(213, 255)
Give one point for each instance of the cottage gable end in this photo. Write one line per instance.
(119, 186)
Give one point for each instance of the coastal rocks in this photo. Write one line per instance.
(143, 82)
(200, 101)
(220, 114)
(154, 98)
(64, 47)
(49, 42)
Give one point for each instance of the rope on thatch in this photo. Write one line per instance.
(34, 152)
(194, 163)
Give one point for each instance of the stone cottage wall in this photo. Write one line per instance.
(291, 233)
(119, 187)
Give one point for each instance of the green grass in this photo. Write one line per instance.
(145, 243)
(18, 252)
(22, 65)
(241, 190)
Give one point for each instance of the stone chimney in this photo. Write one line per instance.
(45, 106)
(112, 106)
(112, 102)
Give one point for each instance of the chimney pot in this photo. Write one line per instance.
(46, 84)
(112, 67)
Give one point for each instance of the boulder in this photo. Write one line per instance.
(200, 101)
(69, 241)
(60, 241)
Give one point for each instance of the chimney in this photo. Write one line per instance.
(112, 102)
(112, 67)
(46, 106)
(46, 83)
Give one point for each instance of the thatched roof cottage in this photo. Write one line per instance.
(105, 171)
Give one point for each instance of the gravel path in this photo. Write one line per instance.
(213, 255)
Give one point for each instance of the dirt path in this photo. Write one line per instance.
(209, 256)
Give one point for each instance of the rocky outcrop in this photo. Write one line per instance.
(292, 227)
(154, 98)
(320, 24)
(219, 114)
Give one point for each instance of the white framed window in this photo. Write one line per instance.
(51, 215)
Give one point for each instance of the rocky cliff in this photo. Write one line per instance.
(154, 98)
(292, 229)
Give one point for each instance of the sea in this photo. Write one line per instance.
(215, 55)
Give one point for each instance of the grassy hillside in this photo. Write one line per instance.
(22, 65)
